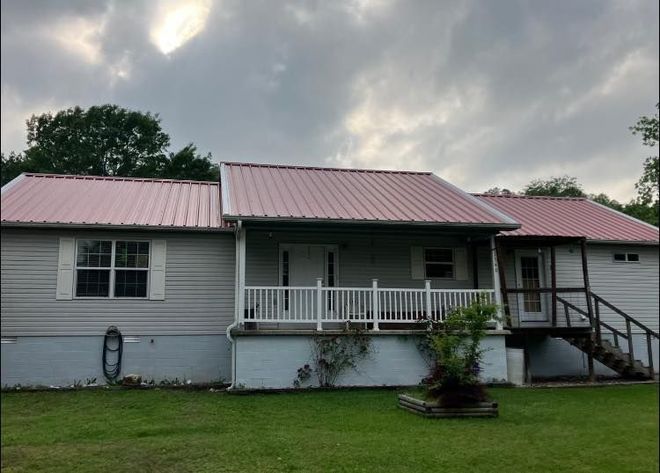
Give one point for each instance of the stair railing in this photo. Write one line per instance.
(649, 333)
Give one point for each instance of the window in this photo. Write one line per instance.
(530, 274)
(106, 268)
(439, 263)
(626, 257)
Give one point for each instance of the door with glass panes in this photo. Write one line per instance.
(300, 266)
(529, 275)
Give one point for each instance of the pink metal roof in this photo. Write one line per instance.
(90, 200)
(570, 217)
(259, 191)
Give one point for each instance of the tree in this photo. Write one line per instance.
(605, 200)
(11, 166)
(188, 164)
(498, 191)
(647, 186)
(563, 186)
(104, 140)
(570, 187)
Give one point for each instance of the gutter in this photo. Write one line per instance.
(234, 324)
(103, 226)
(436, 225)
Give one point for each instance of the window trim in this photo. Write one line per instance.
(453, 263)
(112, 268)
(626, 255)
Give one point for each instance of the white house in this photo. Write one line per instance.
(235, 280)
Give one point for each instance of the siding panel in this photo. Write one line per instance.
(633, 287)
(362, 257)
(199, 288)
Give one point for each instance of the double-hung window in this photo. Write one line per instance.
(112, 268)
(439, 263)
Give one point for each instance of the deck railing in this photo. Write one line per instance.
(370, 305)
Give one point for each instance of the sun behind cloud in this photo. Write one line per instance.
(177, 22)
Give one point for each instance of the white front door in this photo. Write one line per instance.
(300, 266)
(529, 275)
(303, 264)
(307, 263)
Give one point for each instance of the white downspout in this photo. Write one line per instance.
(237, 304)
(496, 281)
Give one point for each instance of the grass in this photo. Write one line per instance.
(578, 430)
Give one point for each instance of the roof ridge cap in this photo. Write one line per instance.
(115, 178)
(322, 168)
(538, 197)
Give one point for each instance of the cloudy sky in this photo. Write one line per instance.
(484, 93)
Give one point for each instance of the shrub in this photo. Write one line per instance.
(455, 347)
(334, 354)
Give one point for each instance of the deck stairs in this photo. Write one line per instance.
(613, 347)
(614, 358)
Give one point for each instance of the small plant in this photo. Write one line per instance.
(455, 347)
(333, 354)
(303, 375)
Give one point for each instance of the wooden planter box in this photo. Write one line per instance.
(432, 409)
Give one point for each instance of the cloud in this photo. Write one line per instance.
(483, 93)
(177, 22)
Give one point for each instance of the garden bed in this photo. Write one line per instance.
(434, 409)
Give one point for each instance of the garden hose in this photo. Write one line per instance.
(112, 337)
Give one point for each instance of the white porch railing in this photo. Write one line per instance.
(319, 305)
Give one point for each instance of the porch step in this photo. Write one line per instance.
(614, 358)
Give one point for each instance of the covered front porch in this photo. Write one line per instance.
(380, 278)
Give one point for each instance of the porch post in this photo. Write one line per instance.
(319, 304)
(590, 309)
(553, 284)
(496, 281)
(241, 274)
(427, 295)
(374, 304)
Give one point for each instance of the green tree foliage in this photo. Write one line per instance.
(647, 186)
(605, 200)
(11, 166)
(498, 191)
(563, 186)
(105, 140)
(188, 164)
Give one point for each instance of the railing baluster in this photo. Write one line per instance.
(649, 351)
(631, 352)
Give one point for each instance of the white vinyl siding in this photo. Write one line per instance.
(198, 281)
(631, 287)
(389, 257)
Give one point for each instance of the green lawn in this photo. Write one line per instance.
(580, 429)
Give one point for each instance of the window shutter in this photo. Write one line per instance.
(65, 269)
(460, 264)
(417, 262)
(157, 272)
